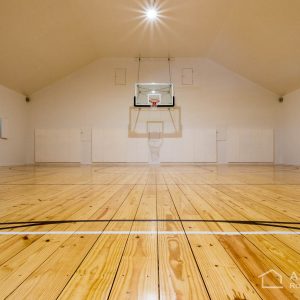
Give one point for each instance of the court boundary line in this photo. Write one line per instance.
(150, 232)
(47, 222)
(278, 224)
(99, 184)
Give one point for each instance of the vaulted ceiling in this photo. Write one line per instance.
(42, 41)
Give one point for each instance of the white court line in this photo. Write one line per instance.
(151, 232)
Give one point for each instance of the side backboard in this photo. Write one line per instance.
(145, 93)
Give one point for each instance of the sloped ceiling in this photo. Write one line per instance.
(42, 41)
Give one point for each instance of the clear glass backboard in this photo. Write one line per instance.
(154, 94)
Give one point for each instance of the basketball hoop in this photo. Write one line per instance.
(154, 102)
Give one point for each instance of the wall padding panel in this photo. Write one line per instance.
(137, 150)
(205, 146)
(250, 145)
(57, 145)
(196, 145)
(112, 145)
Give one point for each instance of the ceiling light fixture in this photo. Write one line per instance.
(152, 12)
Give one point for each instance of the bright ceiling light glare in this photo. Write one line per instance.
(151, 14)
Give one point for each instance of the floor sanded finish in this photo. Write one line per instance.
(150, 232)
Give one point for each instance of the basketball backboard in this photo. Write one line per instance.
(159, 93)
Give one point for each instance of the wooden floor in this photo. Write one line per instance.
(171, 256)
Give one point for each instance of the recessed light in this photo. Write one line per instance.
(152, 14)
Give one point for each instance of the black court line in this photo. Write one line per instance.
(98, 184)
(278, 224)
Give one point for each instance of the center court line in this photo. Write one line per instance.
(151, 232)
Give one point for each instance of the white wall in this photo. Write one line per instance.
(253, 145)
(218, 99)
(14, 110)
(288, 135)
(60, 145)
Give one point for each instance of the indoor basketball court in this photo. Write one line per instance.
(149, 149)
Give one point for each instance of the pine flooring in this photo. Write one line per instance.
(119, 231)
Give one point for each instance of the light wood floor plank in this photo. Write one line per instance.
(18, 268)
(164, 262)
(56, 271)
(178, 270)
(220, 273)
(262, 246)
(94, 278)
(137, 276)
